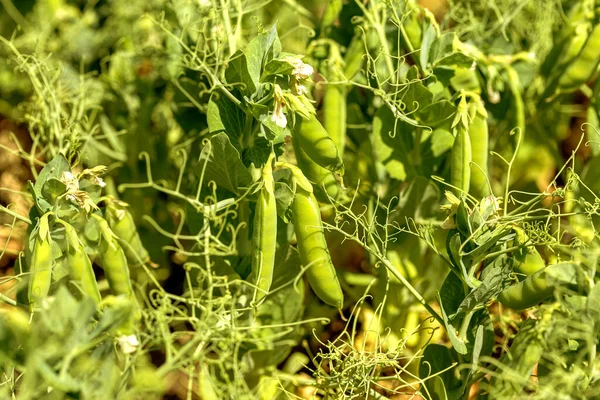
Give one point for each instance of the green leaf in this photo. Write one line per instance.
(283, 196)
(279, 66)
(237, 74)
(420, 200)
(224, 116)
(221, 163)
(417, 97)
(437, 114)
(494, 279)
(393, 152)
(52, 189)
(441, 142)
(438, 358)
(429, 37)
(452, 293)
(53, 170)
(260, 50)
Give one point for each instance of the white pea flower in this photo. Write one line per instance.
(70, 181)
(297, 88)
(278, 116)
(128, 344)
(302, 71)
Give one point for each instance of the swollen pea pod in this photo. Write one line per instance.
(114, 261)
(460, 164)
(265, 234)
(478, 137)
(318, 145)
(527, 260)
(313, 250)
(41, 263)
(334, 101)
(539, 286)
(318, 175)
(80, 266)
(122, 224)
(581, 69)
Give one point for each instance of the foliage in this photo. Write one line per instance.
(300, 199)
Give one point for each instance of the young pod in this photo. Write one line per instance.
(313, 250)
(318, 145)
(478, 137)
(80, 266)
(460, 167)
(334, 101)
(122, 224)
(264, 235)
(114, 261)
(525, 352)
(41, 263)
(581, 69)
(321, 177)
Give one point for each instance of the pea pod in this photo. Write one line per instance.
(114, 261)
(318, 175)
(80, 266)
(334, 101)
(332, 11)
(265, 234)
(318, 145)
(517, 365)
(313, 250)
(527, 260)
(478, 137)
(581, 69)
(353, 58)
(538, 286)
(460, 167)
(122, 224)
(41, 263)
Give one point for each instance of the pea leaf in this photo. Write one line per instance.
(493, 280)
(438, 358)
(283, 196)
(260, 50)
(237, 74)
(394, 152)
(225, 116)
(221, 163)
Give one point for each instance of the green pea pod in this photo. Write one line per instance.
(313, 250)
(265, 234)
(114, 262)
(460, 167)
(581, 69)
(321, 177)
(517, 364)
(334, 101)
(122, 224)
(41, 263)
(353, 58)
(332, 11)
(539, 286)
(80, 266)
(317, 144)
(478, 137)
(527, 260)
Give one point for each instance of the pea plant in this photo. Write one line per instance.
(258, 199)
